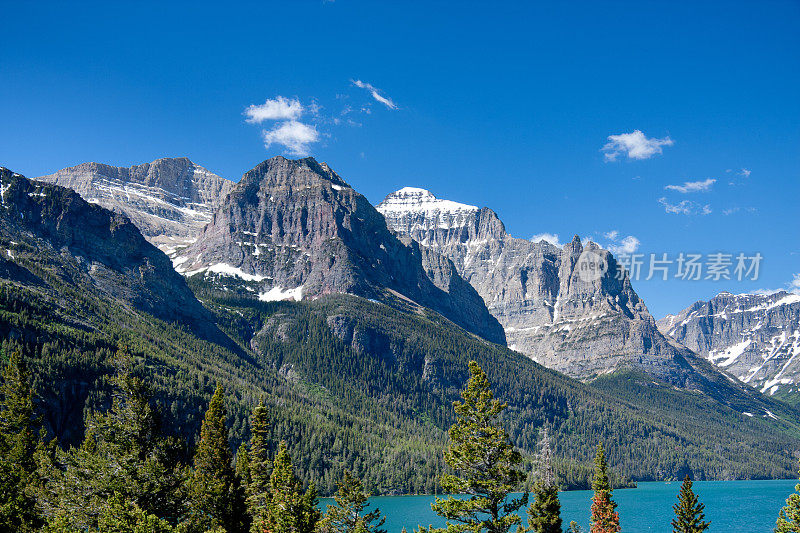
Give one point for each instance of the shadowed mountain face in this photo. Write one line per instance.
(581, 325)
(51, 237)
(295, 230)
(755, 337)
(169, 200)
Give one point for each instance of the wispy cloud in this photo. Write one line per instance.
(794, 285)
(685, 207)
(552, 238)
(621, 245)
(376, 94)
(635, 145)
(295, 136)
(693, 186)
(279, 108)
(744, 172)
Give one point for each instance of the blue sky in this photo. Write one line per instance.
(507, 105)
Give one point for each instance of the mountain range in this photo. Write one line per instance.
(755, 337)
(357, 329)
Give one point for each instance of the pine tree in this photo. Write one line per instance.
(604, 515)
(19, 441)
(789, 516)
(346, 515)
(259, 466)
(689, 517)
(217, 499)
(123, 453)
(289, 510)
(544, 514)
(484, 463)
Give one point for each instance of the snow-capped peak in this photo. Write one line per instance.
(414, 199)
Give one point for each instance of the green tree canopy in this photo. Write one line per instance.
(544, 513)
(789, 516)
(347, 515)
(484, 462)
(689, 516)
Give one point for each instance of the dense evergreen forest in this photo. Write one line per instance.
(362, 386)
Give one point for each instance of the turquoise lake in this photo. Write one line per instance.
(732, 506)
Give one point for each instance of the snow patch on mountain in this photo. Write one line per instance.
(277, 294)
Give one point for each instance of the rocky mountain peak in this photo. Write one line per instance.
(755, 337)
(50, 233)
(294, 229)
(550, 311)
(169, 199)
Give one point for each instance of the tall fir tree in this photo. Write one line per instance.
(689, 516)
(485, 465)
(19, 441)
(216, 497)
(605, 518)
(789, 516)
(347, 515)
(124, 452)
(544, 514)
(259, 466)
(289, 509)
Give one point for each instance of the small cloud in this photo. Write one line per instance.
(737, 209)
(693, 186)
(552, 238)
(685, 207)
(625, 245)
(279, 108)
(744, 172)
(375, 94)
(794, 285)
(635, 145)
(293, 135)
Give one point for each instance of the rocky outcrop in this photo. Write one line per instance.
(46, 231)
(295, 230)
(583, 325)
(169, 200)
(755, 337)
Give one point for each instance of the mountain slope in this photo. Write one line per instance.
(350, 383)
(550, 311)
(295, 229)
(170, 200)
(51, 231)
(755, 337)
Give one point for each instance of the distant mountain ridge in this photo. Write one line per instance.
(296, 230)
(55, 232)
(755, 337)
(170, 200)
(583, 328)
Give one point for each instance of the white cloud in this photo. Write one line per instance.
(693, 186)
(278, 109)
(635, 145)
(795, 283)
(685, 207)
(375, 93)
(625, 245)
(744, 172)
(293, 135)
(552, 238)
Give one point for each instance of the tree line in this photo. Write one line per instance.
(128, 476)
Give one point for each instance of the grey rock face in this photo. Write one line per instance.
(169, 200)
(89, 248)
(582, 327)
(754, 337)
(295, 229)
